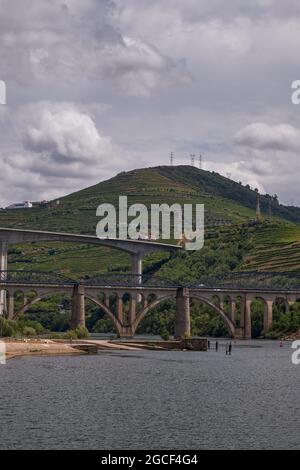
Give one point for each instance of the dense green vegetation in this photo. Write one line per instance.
(232, 243)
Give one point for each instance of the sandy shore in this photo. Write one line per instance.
(30, 347)
(47, 347)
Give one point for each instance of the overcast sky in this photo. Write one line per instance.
(95, 87)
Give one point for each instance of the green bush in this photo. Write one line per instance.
(29, 331)
(6, 327)
(56, 336)
(81, 332)
(164, 334)
(71, 334)
(273, 334)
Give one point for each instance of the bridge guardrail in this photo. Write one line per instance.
(251, 280)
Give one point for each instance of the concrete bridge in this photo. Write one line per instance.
(127, 303)
(136, 248)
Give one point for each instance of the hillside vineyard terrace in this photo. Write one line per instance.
(185, 227)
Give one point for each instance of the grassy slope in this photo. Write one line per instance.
(225, 202)
(275, 248)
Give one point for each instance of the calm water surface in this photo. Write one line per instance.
(153, 400)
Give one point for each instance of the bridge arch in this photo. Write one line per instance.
(36, 299)
(281, 299)
(157, 301)
(149, 307)
(44, 295)
(108, 312)
(230, 325)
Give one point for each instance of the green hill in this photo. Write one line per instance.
(229, 206)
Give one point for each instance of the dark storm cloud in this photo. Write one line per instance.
(95, 86)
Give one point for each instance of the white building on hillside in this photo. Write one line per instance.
(20, 205)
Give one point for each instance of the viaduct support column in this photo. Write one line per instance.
(78, 307)
(268, 314)
(248, 326)
(182, 320)
(137, 269)
(3, 267)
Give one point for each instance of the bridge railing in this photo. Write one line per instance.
(237, 280)
(34, 277)
(250, 280)
(107, 279)
(129, 280)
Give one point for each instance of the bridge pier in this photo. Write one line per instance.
(78, 307)
(137, 267)
(3, 267)
(268, 314)
(245, 329)
(182, 319)
(247, 319)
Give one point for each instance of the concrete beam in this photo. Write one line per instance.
(14, 236)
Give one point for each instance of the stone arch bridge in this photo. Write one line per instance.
(126, 299)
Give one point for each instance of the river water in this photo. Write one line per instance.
(153, 400)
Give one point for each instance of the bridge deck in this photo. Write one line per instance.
(14, 236)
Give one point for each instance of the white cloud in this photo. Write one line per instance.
(262, 136)
(99, 86)
(58, 148)
(65, 134)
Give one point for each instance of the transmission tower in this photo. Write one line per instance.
(200, 161)
(258, 214)
(192, 159)
(171, 159)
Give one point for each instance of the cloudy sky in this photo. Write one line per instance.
(95, 87)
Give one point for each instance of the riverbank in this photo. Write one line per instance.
(48, 347)
(32, 347)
